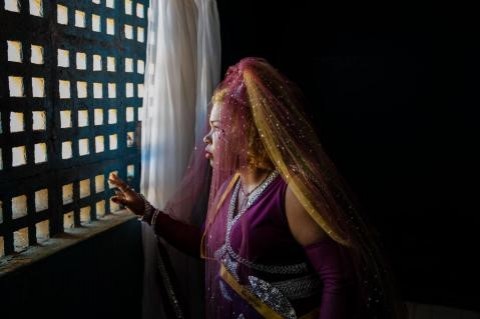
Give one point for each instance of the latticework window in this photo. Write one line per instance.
(70, 91)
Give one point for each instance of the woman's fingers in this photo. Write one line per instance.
(133, 204)
(117, 181)
(119, 200)
(119, 194)
(126, 195)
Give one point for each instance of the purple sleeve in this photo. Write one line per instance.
(332, 263)
(182, 236)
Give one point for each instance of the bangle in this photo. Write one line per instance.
(154, 217)
(147, 210)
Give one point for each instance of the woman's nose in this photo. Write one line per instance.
(207, 139)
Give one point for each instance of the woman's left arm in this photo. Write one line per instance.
(329, 259)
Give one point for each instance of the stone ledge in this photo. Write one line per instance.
(67, 239)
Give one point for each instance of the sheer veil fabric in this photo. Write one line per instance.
(182, 68)
(259, 107)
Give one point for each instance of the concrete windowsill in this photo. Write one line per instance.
(71, 237)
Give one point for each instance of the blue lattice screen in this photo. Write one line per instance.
(71, 88)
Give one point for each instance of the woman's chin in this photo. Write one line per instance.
(210, 160)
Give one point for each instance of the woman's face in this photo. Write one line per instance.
(215, 135)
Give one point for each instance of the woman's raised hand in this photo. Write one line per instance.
(126, 195)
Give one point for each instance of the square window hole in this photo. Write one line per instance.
(96, 27)
(140, 10)
(40, 151)
(19, 156)
(43, 231)
(111, 64)
(36, 8)
(65, 119)
(129, 89)
(99, 183)
(112, 90)
(130, 139)
(15, 86)
(112, 116)
(80, 19)
(41, 200)
(130, 114)
(98, 114)
(68, 221)
(85, 188)
(99, 144)
(140, 66)
(83, 147)
(67, 194)
(131, 171)
(100, 208)
(39, 120)
(85, 217)
(19, 206)
(37, 54)
(38, 87)
(97, 62)
(113, 142)
(20, 240)
(63, 58)
(67, 150)
(97, 90)
(82, 118)
(64, 89)
(110, 26)
(62, 14)
(81, 61)
(17, 122)
(14, 51)
(12, 5)
(128, 65)
(140, 34)
(81, 89)
(128, 31)
(128, 7)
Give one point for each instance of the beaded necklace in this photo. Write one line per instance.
(246, 195)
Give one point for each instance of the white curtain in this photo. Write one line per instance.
(182, 68)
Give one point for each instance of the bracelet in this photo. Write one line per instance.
(154, 217)
(147, 210)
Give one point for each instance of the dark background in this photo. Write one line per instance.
(392, 94)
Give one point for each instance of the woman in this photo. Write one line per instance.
(281, 237)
